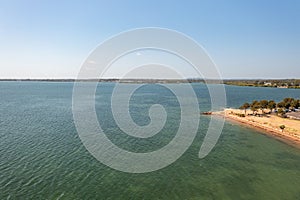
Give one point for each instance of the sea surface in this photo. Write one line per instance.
(42, 156)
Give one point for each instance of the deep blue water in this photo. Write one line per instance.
(42, 157)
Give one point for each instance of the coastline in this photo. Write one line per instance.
(268, 125)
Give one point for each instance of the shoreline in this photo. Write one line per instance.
(266, 125)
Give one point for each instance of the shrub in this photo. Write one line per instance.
(282, 127)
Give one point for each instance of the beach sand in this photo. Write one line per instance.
(269, 123)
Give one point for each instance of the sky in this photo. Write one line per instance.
(245, 39)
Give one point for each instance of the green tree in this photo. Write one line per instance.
(272, 105)
(280, 111)
(254, 106)
(281, 104)
(288, 102)
(245, 106)
(282, 127)
(263, 105)
(295, 103)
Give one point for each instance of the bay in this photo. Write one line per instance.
(42, 157)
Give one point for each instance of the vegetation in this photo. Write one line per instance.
(272, 105)
(255, 105)
(286, 105)
(287, 83)
(284, 83)
(282, 127)
(245, 106)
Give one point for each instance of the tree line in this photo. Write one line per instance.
(289, 83)
(280, 107)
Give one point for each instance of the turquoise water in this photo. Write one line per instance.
(42, 157)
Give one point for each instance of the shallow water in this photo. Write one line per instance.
(42, 157)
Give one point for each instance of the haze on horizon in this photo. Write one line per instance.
(246, 39)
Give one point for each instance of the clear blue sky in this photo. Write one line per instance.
(246, 39)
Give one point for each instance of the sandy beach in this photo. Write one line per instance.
(270, 124)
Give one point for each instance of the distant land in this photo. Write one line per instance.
(278, 83)
(123, 80)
